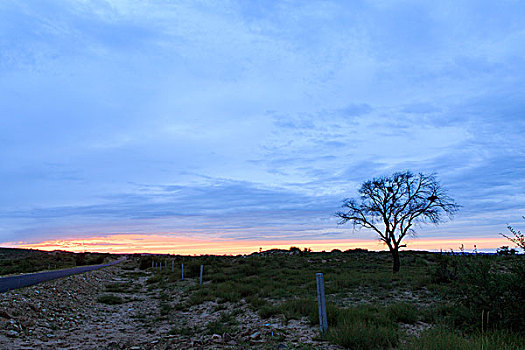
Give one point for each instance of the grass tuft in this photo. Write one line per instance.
(402, 312)
(110, 299)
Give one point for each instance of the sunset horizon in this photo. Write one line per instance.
(243, 123)
(162, 244)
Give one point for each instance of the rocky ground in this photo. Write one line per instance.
(69, 314)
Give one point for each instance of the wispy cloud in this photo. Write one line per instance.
(253, 119)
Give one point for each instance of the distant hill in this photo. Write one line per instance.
(15, 260)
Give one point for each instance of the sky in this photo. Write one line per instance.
(199, 126)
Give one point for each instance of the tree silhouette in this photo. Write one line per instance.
(391, 206)
(518, 239)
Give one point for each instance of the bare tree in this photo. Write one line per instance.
(519, 238)
(391, 206)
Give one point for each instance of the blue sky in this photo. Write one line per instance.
(254, 119)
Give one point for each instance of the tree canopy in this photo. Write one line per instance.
(393, 205)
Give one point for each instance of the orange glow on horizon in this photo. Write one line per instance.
(166, 244)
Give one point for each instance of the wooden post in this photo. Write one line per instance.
(323, 320)
(202, 268)
(183, 271)
(172, 265)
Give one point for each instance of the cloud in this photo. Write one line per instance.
(253, 118)
(226, 206)
(357, 109)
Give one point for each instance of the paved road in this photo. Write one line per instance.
(15, 282)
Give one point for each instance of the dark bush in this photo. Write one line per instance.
(504, 250)
(485, 287)
(110, 299)
(145, 262)
(446, 269)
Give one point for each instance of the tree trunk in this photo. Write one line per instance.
(395, 259)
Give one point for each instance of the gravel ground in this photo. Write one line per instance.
(66, 314)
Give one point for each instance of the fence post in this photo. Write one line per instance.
(183, 271)
(202, 268)
(323, 320)
(172, 265)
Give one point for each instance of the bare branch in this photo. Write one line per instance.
(518, 239)
(396, 203)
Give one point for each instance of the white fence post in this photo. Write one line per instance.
(323, 320)
(202, 268)
(183, 271)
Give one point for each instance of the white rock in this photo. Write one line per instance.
(12, 334)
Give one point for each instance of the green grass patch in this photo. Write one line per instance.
(358, 335)
(366, 303)
(402, 312)
(165, 308)
(225, 324)
(443, 338)
(182, 331)
(154, 279)
(117, 287)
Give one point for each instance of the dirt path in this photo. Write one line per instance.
(68, 314)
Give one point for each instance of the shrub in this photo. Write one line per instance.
(402, 312)
(295, 250)
(182, 331)
(145, 262)
(481, 288)
(442, 338)
(358, 335)
(117, 287)
(165, 308)
(446, 270)
(225, 324)
(199, 297)
(154, 279)
(504, 250)
(438, 338)
(256, 302)
(110, 299)
(297, 308)
(193, 270)
(267, 311)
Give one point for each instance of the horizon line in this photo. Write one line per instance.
(163, 244)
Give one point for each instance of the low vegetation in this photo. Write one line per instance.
(13, 261)
(110, 299)
(438, 301)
